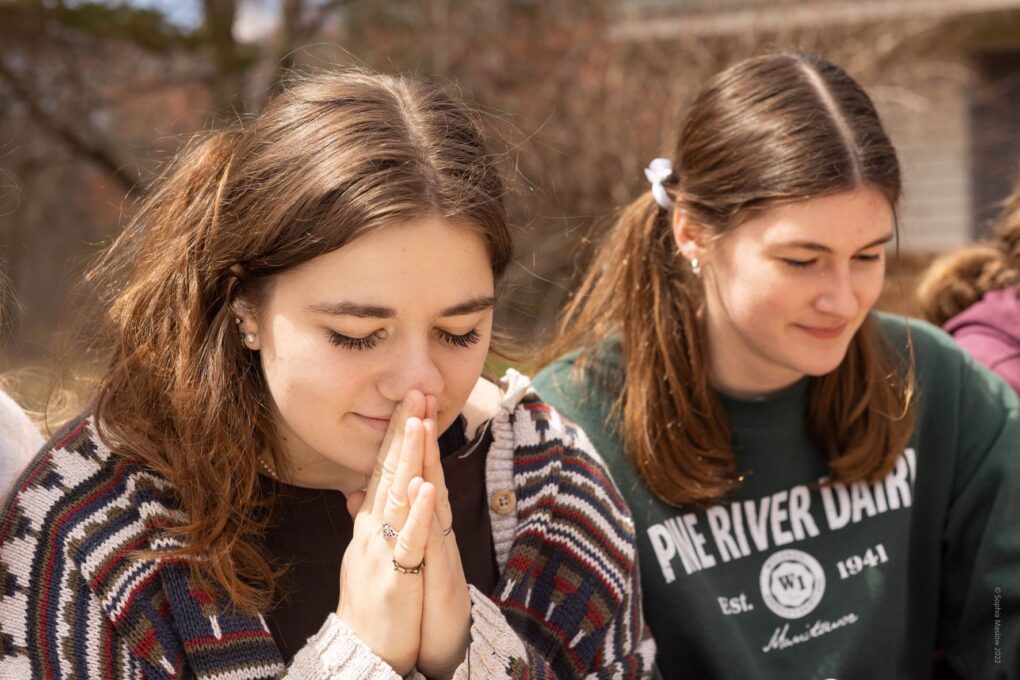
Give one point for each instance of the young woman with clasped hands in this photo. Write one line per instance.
(291, 464)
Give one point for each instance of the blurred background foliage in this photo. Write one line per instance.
(579, 94)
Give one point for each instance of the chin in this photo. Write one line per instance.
(820, 368)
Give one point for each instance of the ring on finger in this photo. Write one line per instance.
(408, 570)
(388, 531)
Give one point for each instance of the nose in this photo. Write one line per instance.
(412, 366)
(839, 298)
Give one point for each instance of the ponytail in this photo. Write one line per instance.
(639, 290)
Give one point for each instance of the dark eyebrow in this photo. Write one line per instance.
(372, 312)
(352, 309)
(818, 247)
(477, 304)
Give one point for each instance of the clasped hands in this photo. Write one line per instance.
(407, 617)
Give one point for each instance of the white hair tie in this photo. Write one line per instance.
(657, 172)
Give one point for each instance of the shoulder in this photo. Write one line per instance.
(582, 372)
(554, 461)
(80, 508)
(997, 310)
(568, 510)
(76, 462)
(961, 405)
(541, 429)
(585, 386)
(905, 331)
(940, 364)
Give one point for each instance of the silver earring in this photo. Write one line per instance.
(695, 266)
(237, 321)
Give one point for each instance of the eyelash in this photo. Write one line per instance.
(804, 264)
(370, 341)
(466, 340)
(799, 264)
(347, 342)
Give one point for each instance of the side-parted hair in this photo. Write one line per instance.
(955, 281)
(332, 156)
(767, 131)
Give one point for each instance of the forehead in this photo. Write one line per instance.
(848, 220)
(429, 260)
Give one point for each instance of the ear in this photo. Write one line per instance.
(691, 238)
(242, 316)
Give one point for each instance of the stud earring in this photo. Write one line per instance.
(695, 266)
(249, 338)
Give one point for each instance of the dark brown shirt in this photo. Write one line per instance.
(312, 530)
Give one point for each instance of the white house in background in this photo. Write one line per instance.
(951, 106)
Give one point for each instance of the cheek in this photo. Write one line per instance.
(758, 299)
(302, 368)
(870, 289)
(461, 369)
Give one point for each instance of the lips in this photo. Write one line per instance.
(824, 332)
(375, 423)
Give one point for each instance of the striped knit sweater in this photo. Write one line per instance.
(76, 601)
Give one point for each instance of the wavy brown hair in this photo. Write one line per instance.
(767, 131)
(331, 157)
(955, 281)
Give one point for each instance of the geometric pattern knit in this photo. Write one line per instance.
(76, 600)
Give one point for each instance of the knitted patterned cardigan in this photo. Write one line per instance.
(76, 601)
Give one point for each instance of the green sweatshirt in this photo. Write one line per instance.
(790, 579)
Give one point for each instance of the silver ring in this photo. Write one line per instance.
(388, 531)
(408, 570)
(446, 532)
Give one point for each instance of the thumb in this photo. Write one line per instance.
(355, 501)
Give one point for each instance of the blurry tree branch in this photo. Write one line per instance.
(299, 23)
(95, 152)
(230, 59)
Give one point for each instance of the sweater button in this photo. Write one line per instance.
(503, 502)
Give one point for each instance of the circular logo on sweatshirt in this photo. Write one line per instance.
(792, 583)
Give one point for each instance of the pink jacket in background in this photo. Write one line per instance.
(990, 332)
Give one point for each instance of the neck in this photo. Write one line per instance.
(735, 369)
(313, 474)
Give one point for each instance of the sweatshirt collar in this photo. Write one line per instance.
(786, 404)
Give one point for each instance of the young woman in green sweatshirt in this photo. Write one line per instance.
(819, 490)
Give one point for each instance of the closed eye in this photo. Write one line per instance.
(347, 342)
(799, 264)
(466, 340)
(870, 258)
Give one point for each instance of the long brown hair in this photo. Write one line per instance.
(958, 279)
(767, 131)
(332, 156)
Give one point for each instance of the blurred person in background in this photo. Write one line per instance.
(972, 294)
(19, 437)
(19, 441)
(291, 463)
(820, 490)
